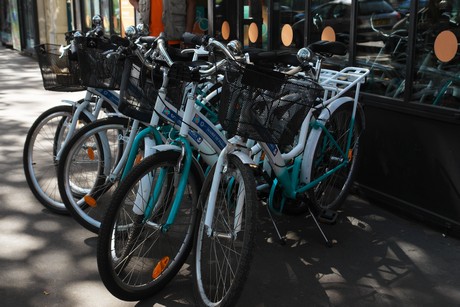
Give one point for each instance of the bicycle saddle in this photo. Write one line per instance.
(269, 58)
(326, 47)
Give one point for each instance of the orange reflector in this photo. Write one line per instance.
(90, 152)
(138, 159)
(350, 155)
(160, 267)
(90, 201)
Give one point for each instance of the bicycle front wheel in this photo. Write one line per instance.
(139, 250)
(85, 166)
(329, 152)
(223, 253)
(43, 142)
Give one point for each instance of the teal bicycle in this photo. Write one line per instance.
(147, 231)
(307, 169)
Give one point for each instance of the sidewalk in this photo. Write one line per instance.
(378, 259)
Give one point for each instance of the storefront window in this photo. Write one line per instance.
(105, 13)
(116, 19)
(437, 59)
(224, 25)
(285, 17)
(5, 23)
(90, 8)
(256, 23)
(382, 41)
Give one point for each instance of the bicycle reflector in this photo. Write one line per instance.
(90, 153)
(138, 159)
(160, 267)
(90, 201)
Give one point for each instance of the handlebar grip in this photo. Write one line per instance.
(196, 39)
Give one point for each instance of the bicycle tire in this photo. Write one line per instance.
(122, 242)
(331, 192)
(40, 166)
(217, 255)
(83, 168)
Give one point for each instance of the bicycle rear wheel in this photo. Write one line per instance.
(44, 140)
(222, 258)
(138, 252)
(331, 192)
(85, 166)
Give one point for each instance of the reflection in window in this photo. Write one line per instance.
(382, 46)
(335, 14)
(116, 17)
(110, 12)
(105, 13)
(436, 78)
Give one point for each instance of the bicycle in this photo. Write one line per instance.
(146, 234)
(316, 172)
(52, 130)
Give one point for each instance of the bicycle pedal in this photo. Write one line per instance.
(328, 216)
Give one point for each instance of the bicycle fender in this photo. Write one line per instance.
(243, 157)
(195, 165)
(326, 112)
(305, 173)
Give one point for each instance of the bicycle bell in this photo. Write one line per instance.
(235, 47)
(304, 55)
(97, 20)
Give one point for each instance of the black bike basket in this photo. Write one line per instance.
(138, 90)
(100, 66)
(265, 105)
(60, 70)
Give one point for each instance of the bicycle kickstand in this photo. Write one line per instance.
(282, 240)
(328, 242)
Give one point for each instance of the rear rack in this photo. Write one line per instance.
(337, 83)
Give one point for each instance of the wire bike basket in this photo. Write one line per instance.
(138, 90)
(100, 67)
(140, 85)
(265, 105)
(60, 69)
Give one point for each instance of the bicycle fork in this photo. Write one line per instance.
(221, 170)
(78, 110)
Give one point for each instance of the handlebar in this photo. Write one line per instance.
(207, 42)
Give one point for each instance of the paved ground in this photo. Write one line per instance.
(378, 259)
